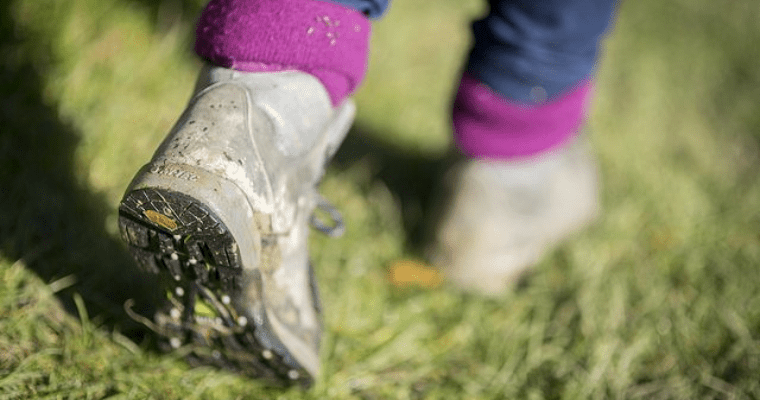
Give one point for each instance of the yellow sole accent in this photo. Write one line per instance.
(161, 220)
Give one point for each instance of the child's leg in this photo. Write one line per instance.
(527, 77)
(527, 184)
(221, 212)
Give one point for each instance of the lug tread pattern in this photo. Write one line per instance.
(197, 259)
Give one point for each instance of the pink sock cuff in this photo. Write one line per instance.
(488, 126)
(324, 39)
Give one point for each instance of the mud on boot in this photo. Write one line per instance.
(221, 215)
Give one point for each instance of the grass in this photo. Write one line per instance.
(659, 300)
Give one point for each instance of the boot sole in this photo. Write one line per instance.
(198, 263)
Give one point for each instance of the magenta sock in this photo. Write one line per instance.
(324, 39)
(488, 126)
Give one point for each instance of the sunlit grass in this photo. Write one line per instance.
(659, 299)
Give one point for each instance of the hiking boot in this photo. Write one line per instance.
(221, 214)
(500, 217)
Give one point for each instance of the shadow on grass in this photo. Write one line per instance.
(411, 178)
(48, 220)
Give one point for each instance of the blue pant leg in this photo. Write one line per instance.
(530, 50)
(371, 8)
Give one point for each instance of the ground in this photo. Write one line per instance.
(659, 299)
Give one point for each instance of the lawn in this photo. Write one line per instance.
(659, 299)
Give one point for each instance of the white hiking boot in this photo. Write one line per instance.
(221, 214)
(501, 217)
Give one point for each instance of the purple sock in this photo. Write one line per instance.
(488, 126)
(324, 39)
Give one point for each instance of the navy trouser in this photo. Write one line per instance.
(529, 49)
